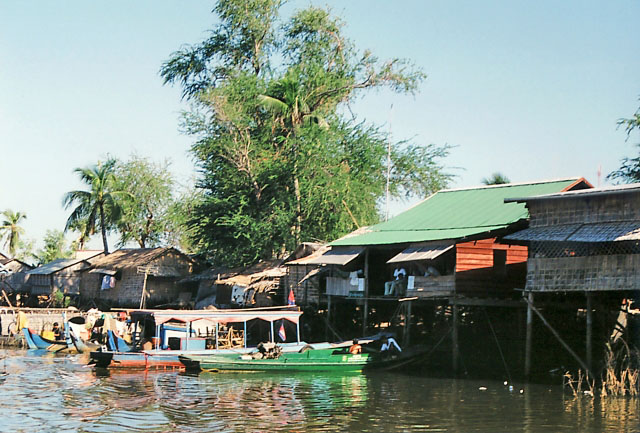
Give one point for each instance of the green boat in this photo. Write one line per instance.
(317, 360)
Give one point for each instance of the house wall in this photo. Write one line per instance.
(478, 275)
(306, 293)
(128, 288)
(601, 273)
(584, 266)
(479, 254)
(595, 209)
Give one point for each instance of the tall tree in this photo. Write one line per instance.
(145, 213)
(280, 161)
(629, 170)
(100, 206)
(11, 231)
(496, 179)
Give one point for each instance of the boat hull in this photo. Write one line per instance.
(326, 360)
(35, 341)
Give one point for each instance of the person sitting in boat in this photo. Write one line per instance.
(389, 344)
(57, 332)
(396, 286)
(355, 348)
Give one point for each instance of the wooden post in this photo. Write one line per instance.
(366, 292)
(562, 342)
(327, 324)
(528, 338)
(454, 335)
(144, 289)
(589, 328)
(407, 326)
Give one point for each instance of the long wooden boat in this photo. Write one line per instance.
(320, 360)
(36, 341)
(316, 360)
(124, 355)
(336, 358)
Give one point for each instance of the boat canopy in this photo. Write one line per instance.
(217, 316)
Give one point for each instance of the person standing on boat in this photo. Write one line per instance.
(394, 287)
(355, 348)
(57, 332)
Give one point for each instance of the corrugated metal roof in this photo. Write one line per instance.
(608, 190)
(607, 232)
(420, 253)
(596, 232)
(548, 233)
(454, 214)
(54, 266)
(336, 256)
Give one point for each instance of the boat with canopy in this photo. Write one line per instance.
(158, 337)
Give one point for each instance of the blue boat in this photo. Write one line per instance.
(36, 341)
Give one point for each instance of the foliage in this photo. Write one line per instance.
(629, 170)
(280, 161)
(496, 179)
(100, 207)
(144, 218)
(55, 247)
(25, 250)
(11, 231)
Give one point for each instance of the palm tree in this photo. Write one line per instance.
(11, 229)
(98, 207)
(496, 178)
(292, 108)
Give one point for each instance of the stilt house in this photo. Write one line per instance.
(584, 248)
(447, 246)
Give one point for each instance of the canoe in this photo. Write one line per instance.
(308, 359)
(319, 360)
(36, 341)
(78, 344)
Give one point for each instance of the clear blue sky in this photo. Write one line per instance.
(530, 89)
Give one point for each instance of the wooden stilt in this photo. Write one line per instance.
(528, 338)
(589, 329)
(454, 335)
(562, 342)
(407, 326)
(326, 330)
(366, 293)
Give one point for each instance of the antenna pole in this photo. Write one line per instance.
(388, 163)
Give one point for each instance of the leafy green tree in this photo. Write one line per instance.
(280, 161)
(629, 170)
(55, 247)
(11, 231)
(145, 212)
(100, 206)
(496, 179)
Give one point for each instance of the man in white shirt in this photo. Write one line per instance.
(394, 287)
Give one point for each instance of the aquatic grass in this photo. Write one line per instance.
(620, 374)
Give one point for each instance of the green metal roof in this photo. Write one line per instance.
(456, 213)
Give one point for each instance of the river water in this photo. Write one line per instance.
(43, 392)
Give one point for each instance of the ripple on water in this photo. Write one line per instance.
(45, 392)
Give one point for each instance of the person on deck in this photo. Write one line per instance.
(57, 332)
(394, 287)
(390, 344)
(355, 348)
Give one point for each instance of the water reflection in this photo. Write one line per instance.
(59, 393)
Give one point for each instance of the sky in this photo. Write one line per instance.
(532, 90)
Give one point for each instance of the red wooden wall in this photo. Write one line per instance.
(479, 254)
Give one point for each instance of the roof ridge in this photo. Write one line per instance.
(512, 184)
